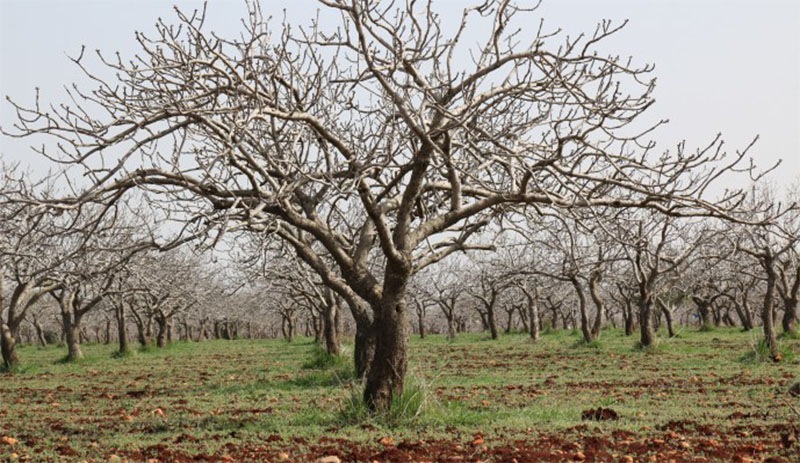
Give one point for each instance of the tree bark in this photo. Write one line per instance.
(599, 306)
(331, 324)
(586, 330)
(39, 332)
(667, 316)
(163, 331)
(122, 331)
(767, 311)
(72, 327)
(647, 331)
(8, 346)
(789, 316)
(365, 344)
(386, 376)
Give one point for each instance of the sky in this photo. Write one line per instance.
(723, 66)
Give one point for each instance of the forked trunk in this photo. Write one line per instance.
(627, 316)
(39, 332)
(668, 318)
(451, 328)
(385, 379)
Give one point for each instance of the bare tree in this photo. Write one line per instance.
(408, 147)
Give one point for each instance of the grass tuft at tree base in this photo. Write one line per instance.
(407, 408)
(760, 353)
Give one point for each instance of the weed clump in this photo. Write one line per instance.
(322, 360)
(406, 408)
(760, 353)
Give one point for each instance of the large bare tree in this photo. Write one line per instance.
(384, 130)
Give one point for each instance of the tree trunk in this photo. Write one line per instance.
(598, 305)
(72, 332)
(628, 318)
(586, 330)
(8, 346)
(144, 338)
(365, 344)
(331, 324)
(789, 316)
(490, 318)
(122, 330)
(107, 335)
(385, 379)
(767, 312)
(668, 317)
(646, 328)
(163, 332)
(533, 323)
(704, 311)
(39, 332)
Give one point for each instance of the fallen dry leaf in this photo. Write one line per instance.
(8, 440)
(386, 441)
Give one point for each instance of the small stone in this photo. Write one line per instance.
(283, 456)
(329, 459)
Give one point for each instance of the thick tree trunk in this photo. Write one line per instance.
(107, 335)
(143, 337)
(789, 316)
(386, 378)
(646, 328)
(163, 332)
(586, 329)
(8, 346)
(491, 319)
(122, 330)
(451, 328)
(72, 333)
(331, 324)
(767, 311)
(364, 348)
(287, 327)
(533, 323)
(703, 311)
(628, 317)
(594, 292)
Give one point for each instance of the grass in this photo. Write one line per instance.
(223, 393)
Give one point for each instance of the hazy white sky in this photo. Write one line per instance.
(729, 66)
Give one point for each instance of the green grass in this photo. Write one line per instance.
(242, 392)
